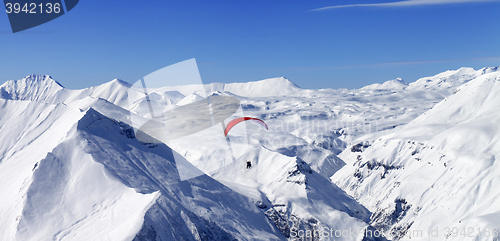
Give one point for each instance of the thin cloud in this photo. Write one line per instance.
(408, 3)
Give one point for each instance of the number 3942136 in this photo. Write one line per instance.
(33, 8)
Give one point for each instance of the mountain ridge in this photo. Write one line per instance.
(99, 166)
(262, 88)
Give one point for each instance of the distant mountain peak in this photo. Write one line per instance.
(400, 80)
(116, 83)
(32, 87)
(120, 82)
(281, 79)
(40, 78)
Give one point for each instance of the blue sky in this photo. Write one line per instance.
(310, 42)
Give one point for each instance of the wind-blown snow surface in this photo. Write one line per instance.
(71, 168)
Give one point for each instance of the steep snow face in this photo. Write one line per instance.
(395, 84)
(96, 206)
(439, 171)
(28, 130)
(34, 125)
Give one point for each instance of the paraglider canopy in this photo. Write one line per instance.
(236, 121)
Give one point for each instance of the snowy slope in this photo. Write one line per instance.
(100, 183)
(439, 171)
(449, 79)
(192, 208)
(29, 131)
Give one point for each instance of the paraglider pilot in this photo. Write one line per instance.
(249, 164)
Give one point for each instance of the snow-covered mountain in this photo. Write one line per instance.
(409, 155)
(440, 171)
(86, 177)
(69, 169)
(32, 87)
(263, 88)
(450, 79)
